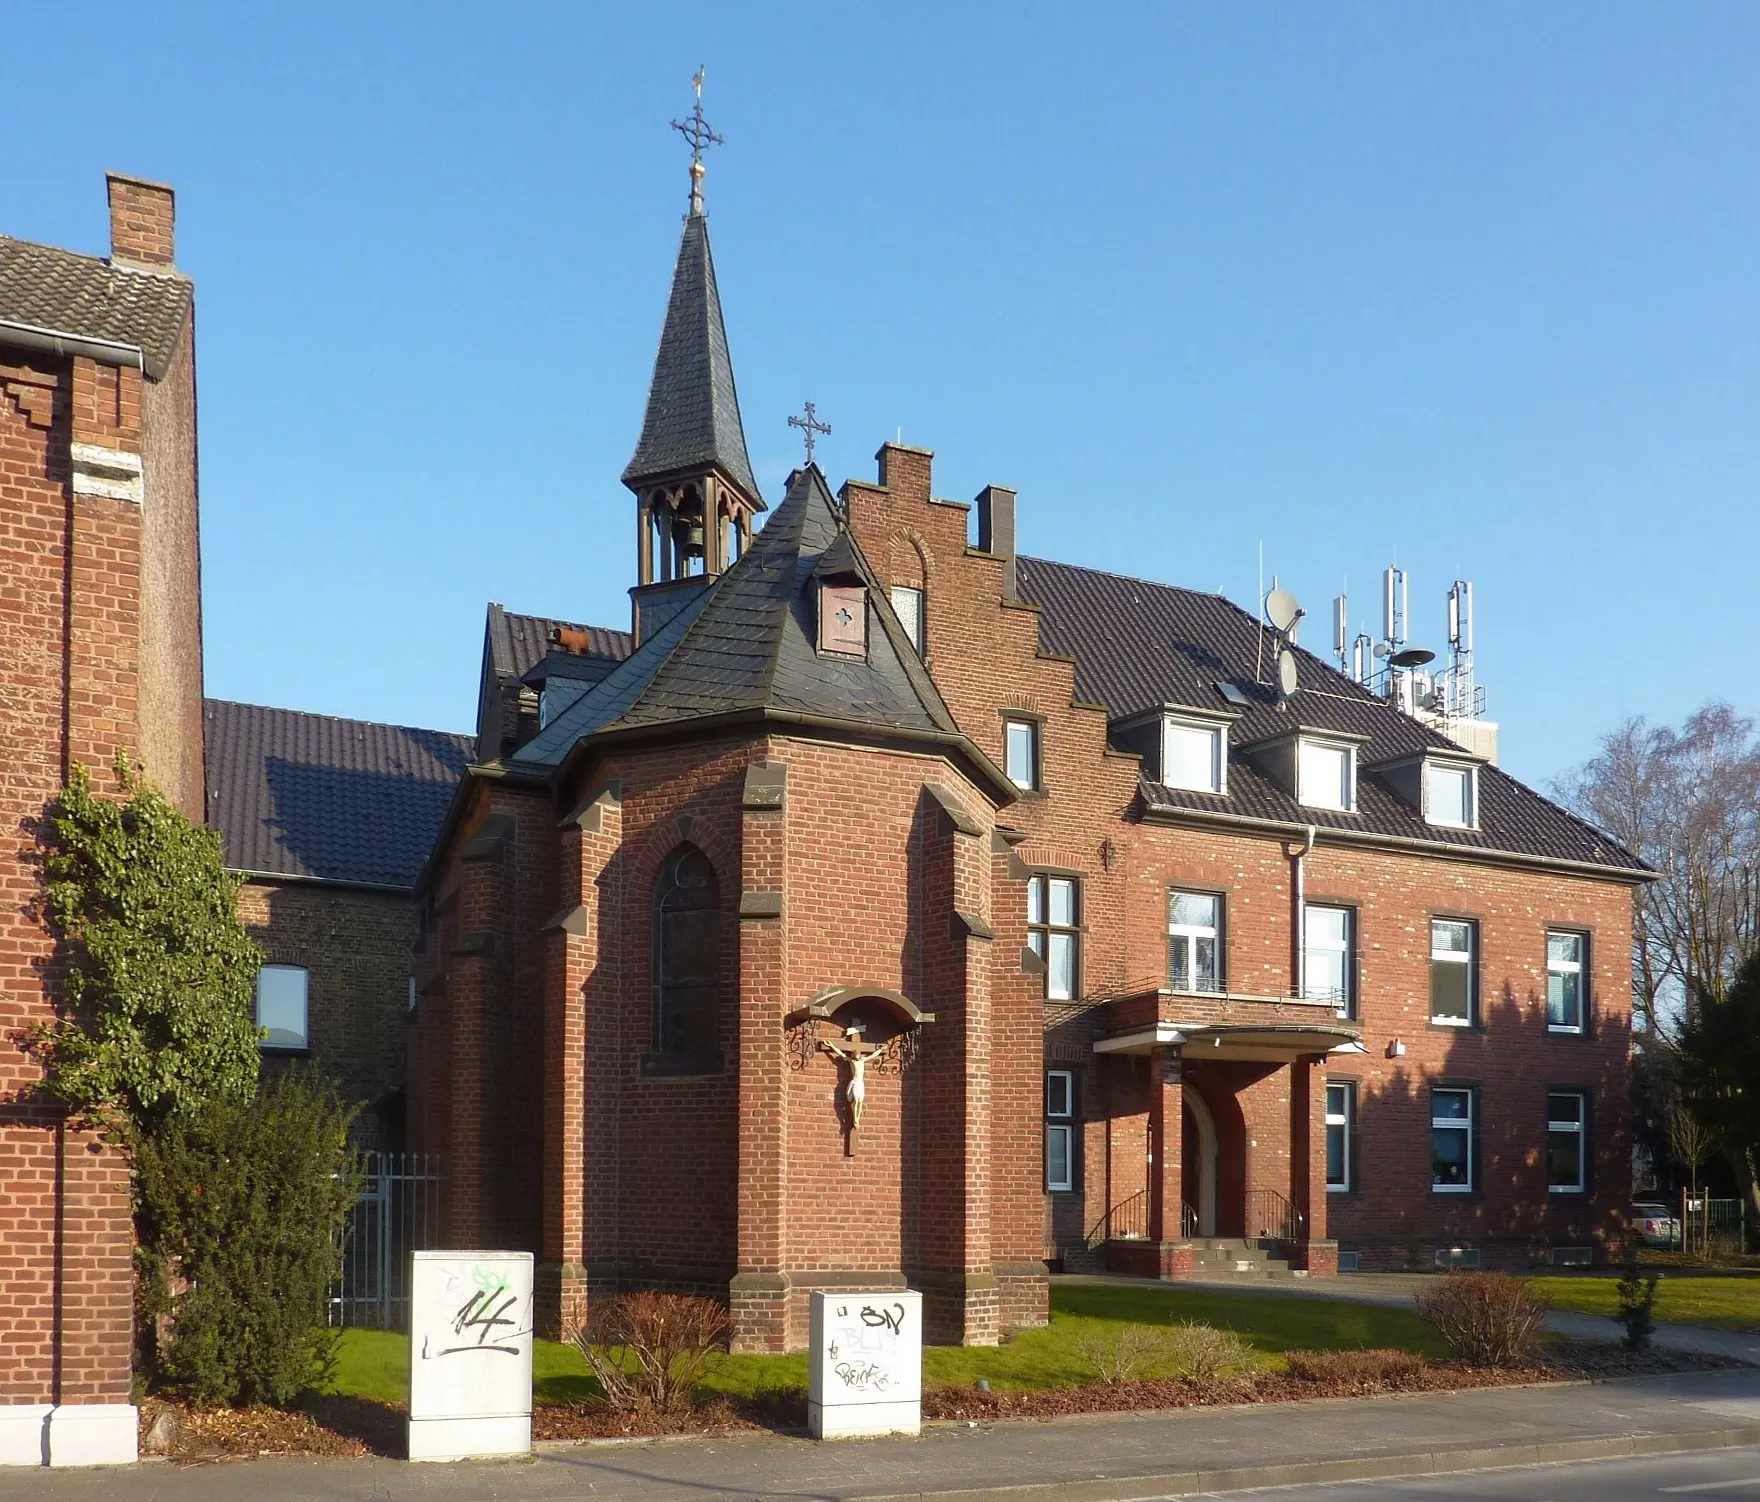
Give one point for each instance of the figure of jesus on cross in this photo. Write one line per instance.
(856, 1053)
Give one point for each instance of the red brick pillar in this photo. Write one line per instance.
(1307, 1165)
(1166, 1163)
(574, 939)
(759, 1295)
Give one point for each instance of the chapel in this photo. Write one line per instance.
(885, 908)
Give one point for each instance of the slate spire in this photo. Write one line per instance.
(692, 419)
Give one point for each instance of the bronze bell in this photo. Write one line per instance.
(693, 540)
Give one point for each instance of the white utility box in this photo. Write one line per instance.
(470, 1355)
(865, 1372)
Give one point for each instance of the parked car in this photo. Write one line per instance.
(1656, 1225)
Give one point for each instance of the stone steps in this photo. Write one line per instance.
(1236, 1259)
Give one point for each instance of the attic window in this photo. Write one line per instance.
(1451, 794)
(1194, 755)
(843, 619)
(1326, 774)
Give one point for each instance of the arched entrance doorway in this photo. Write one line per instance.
(1199, 1178)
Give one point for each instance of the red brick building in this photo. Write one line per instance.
(100, 652)
(890, 908)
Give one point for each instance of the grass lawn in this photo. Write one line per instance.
(1721, 1303)
(375, 1364)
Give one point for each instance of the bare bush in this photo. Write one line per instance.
(1486, 1319)
(650, 1350)
(1354, 1368)
(1201, 1352)
(1122, 1354)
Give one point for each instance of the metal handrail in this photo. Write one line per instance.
(1270, 1216)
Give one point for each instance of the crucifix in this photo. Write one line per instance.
(811, 426)
(856, 1053)
(696, 130)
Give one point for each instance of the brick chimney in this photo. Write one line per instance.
(143, 219)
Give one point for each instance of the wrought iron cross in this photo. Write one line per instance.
(811, 426)
(695, 129)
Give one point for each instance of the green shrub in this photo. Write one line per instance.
(241, 1207)
(1486, 1319)
(1637, 1308)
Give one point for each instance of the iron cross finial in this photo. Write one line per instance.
(695, 129)
(811, 426)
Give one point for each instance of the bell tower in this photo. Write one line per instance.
(695, 494)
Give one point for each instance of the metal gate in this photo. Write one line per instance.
(398, 1213)
(1713, 1228)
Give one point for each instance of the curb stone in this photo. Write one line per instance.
(1145, 1488)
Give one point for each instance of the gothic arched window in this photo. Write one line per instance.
(687, 956)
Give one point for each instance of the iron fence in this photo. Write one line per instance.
(1712, 1228)
(398, 1212)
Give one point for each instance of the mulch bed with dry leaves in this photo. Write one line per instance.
(360, 1426)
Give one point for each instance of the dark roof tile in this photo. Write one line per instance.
(312, 796)
(1138, 645)
(55, 289)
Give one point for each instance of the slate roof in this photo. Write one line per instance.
(312, 796)
(693, 417)
(517, 643)
(84, 296)
(748, 643)
(1139, 645)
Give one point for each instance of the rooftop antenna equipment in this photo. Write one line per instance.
(1283, 611)
(1340, 631)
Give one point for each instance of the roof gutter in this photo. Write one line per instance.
(56, 342)
(1629, 875)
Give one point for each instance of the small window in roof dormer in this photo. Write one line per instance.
(1451, 794)
(1194, 755)
(843, 619)
(1326, 774)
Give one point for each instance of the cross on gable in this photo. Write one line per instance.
(811, 426)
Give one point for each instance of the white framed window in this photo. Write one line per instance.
(1454, 945)
(1194, 756)
(1054, 931)
(1567, 1158)
(1326, 775)
(1565, 953)
(1451, 1141)
(907, 605)
(1450, 795)
(1060, 1129)
(1021, 753)
(283, 997)
(1194, 941)
(1329, 957)
(1341, 1128)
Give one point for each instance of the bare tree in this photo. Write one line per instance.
(1688, 802)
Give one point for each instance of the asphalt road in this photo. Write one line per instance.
(1713, 1476)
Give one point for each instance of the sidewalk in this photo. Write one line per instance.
(1072, 1460)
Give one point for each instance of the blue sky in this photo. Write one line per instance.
(1472, 288)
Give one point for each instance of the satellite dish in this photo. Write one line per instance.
(1286, 673)
(1381, 649)
(1281, 609)
(1412, 657)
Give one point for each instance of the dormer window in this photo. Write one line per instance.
(1194, 755)
(1326, 774)
(1451, 794)
(843, 619)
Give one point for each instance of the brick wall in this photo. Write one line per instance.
(983, 650)
(357, 947)
(66, 690)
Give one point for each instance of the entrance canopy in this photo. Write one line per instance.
(1265, 1043)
